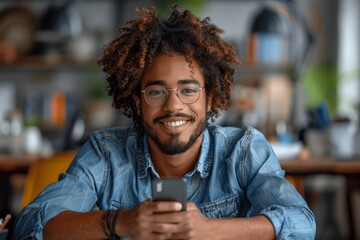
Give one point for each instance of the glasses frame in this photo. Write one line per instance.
(168, 93)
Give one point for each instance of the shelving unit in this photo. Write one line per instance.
(48, 64)
(45, 69)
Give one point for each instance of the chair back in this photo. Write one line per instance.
(43, 172)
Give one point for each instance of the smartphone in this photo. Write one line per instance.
(169, 189)
(3, 233)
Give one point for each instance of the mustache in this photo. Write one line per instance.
(189, 117)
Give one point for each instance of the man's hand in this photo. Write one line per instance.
(150, 220)
(163, 220)
(193, 225)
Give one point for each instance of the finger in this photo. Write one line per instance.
(146, 206)
(165, 228)
(178, 236)
(191, 206)
(166, 206)
(6, 220)
(169, 217)
(159, 236)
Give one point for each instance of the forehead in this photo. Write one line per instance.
(172, 70)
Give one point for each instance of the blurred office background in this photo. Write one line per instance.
(298, 82)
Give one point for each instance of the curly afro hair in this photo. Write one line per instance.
(140, 41)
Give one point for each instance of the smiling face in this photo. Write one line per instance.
(175, 126)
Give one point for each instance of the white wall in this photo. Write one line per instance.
(349, 56)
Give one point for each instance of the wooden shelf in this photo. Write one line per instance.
(48, 63)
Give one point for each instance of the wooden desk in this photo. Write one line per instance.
(319, 165)
(349, 168)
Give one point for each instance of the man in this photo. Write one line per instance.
(170, 76)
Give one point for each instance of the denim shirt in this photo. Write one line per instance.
(237, 175)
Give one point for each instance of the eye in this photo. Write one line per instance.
(189, 90)
(155, 92)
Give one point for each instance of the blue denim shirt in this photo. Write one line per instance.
(237, 175)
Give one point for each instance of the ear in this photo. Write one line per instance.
(137, 101)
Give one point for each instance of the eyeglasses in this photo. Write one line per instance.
(157, 95)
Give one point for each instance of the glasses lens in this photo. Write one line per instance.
(156, 95)
(189, 93)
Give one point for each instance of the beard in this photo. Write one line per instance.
(174, 145)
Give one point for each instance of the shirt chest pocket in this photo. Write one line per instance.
(223, 208)
(119, 205)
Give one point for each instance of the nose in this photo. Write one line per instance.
(173, 102)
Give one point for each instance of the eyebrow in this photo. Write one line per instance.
(187, 81)
(155, 82)
(180, 82)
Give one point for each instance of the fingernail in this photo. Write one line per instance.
(178, 206)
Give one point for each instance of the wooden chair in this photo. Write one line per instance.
(43, 172)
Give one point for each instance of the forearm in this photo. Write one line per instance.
(259, 227)
(75, 225)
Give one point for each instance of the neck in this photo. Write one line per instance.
(177, 165)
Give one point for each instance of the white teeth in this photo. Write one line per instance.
(174, 124)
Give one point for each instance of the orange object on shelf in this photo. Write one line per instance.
(252, 49)
(58, 109)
